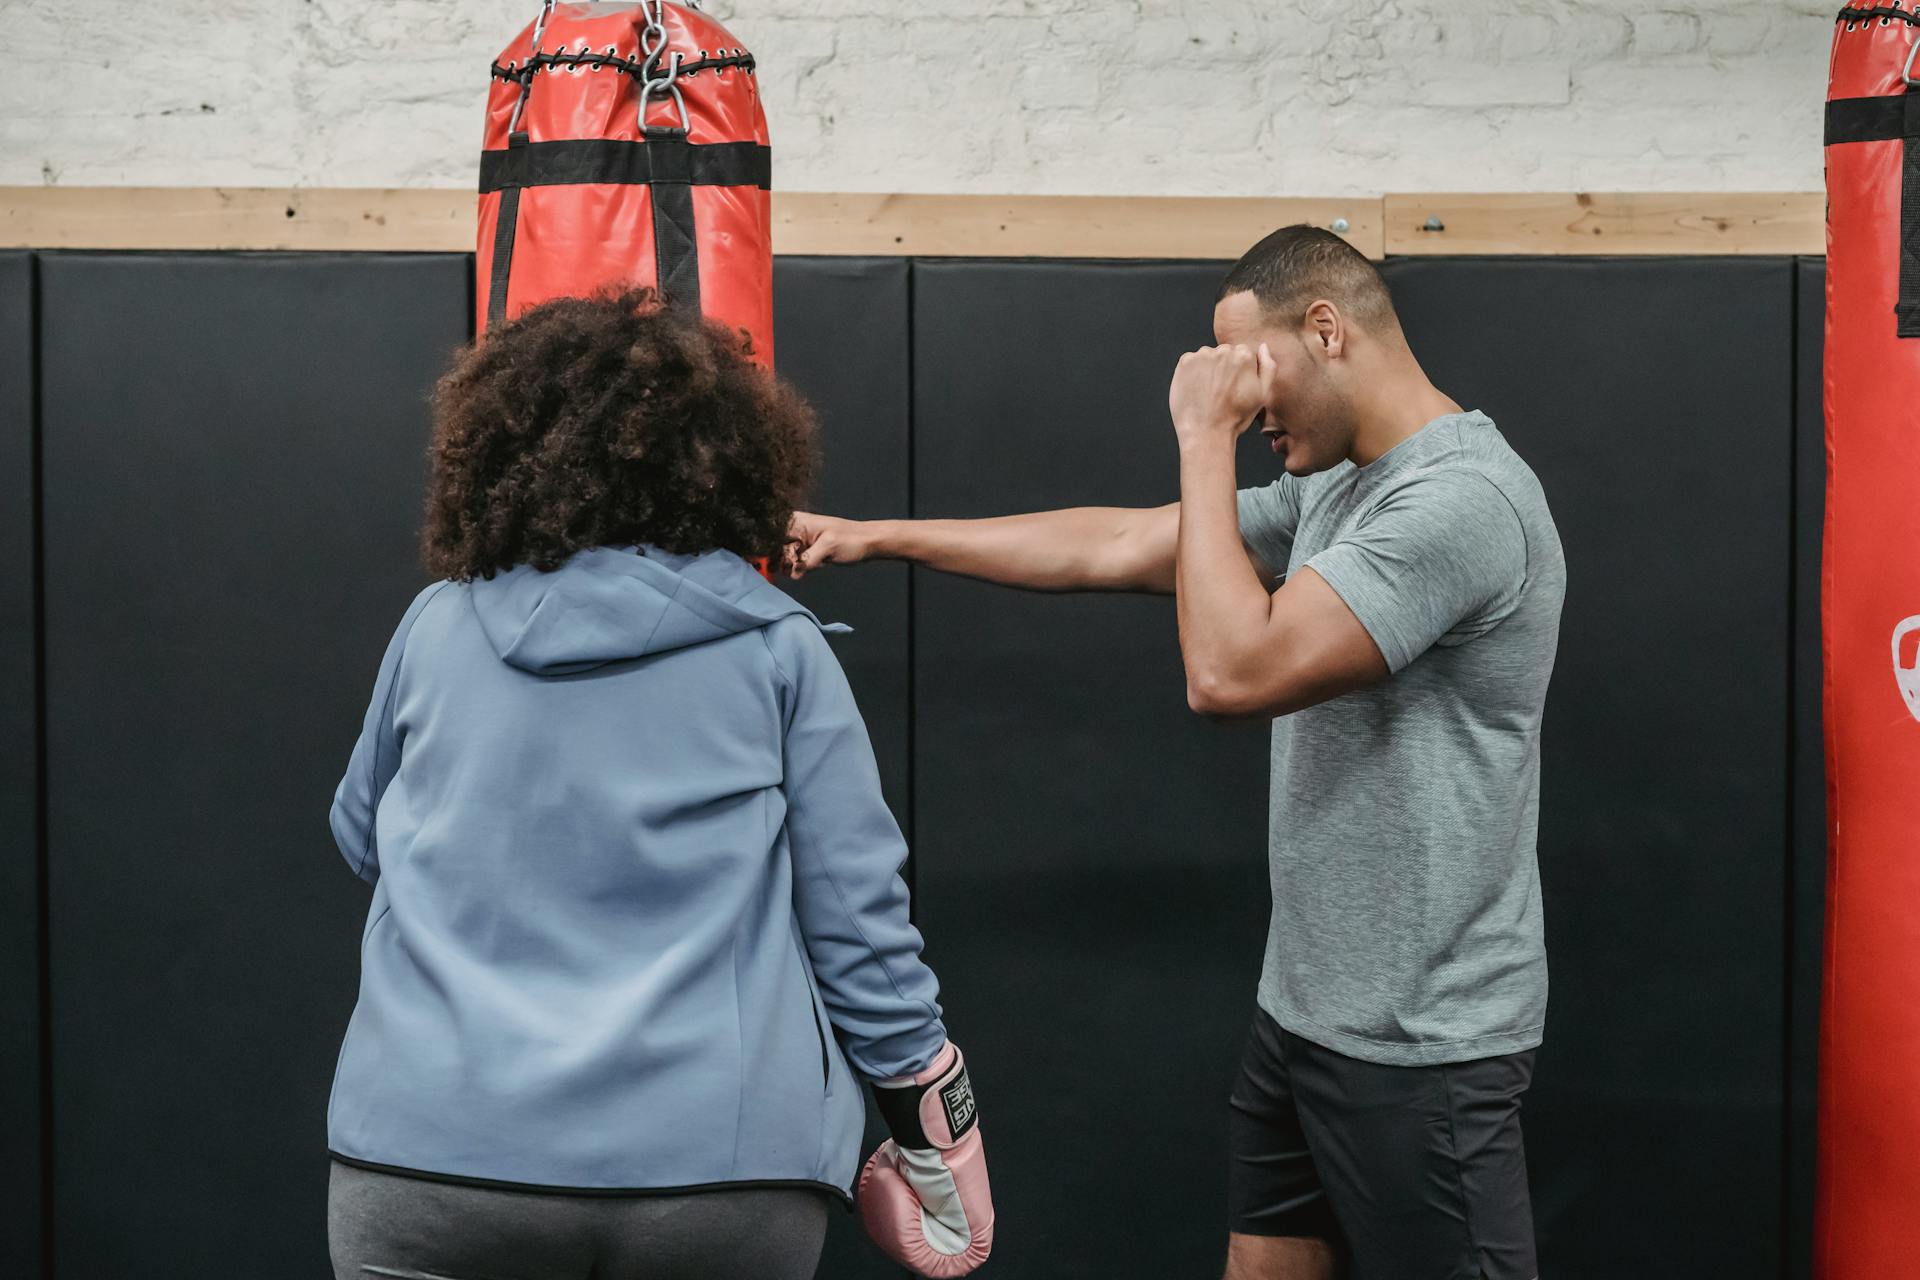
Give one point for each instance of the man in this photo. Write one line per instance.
(1405, 658)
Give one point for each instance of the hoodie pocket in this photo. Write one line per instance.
(826, 1063)
(819, 1019)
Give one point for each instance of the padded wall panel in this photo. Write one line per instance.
(840, 331)
(20, 1165)
(1809, 795)
(1092, 866)
(234, 454)
(1653, 398)
(231, 503)
(840, 335)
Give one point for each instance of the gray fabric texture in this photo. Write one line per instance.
(381, 1226)
(1407, 924)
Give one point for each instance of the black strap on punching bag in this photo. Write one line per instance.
(1906, 311)
(676, 253)
(504, 225)
(609, 160)
(1884, 119)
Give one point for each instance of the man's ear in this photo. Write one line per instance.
(1327, 327)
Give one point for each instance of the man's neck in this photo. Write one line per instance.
(1393, 409)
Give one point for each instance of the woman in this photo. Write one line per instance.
(637, 925)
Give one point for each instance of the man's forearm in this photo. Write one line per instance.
(1079, 549)
(1223, 605)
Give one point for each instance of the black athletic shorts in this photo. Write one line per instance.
(1412, 1173)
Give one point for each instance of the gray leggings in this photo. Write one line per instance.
(381, 1225)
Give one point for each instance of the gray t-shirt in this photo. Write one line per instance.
(1406, 894)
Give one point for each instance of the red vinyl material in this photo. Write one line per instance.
(573, 239)
(1868, 1211)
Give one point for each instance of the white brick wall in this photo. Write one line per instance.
(1187, 97)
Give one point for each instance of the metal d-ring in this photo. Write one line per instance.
(665, 84)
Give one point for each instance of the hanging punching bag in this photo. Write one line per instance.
(1868, 1215)
(626, 144)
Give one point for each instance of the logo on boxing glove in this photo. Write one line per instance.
(957, 1097)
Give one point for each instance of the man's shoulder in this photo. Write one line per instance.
(1478, 453)
(1479, 471)
(1454, 481)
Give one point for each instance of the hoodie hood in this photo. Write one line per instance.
(611, 605)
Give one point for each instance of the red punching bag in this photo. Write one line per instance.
(626, 144)
(1868, 1217)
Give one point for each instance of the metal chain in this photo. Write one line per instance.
(653, 44)
(653, 47)
(526, 74)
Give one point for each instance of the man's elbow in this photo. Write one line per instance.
(1220, 696)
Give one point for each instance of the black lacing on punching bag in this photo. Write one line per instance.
(520, 71)
(1854, 14)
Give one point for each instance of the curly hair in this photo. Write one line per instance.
(610, 421)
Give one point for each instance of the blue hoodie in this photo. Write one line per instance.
(637, 916)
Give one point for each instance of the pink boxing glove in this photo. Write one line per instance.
(924, 1193)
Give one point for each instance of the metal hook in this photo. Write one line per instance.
(526, 79)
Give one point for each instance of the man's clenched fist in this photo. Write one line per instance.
(816, 540)
(1219, 390)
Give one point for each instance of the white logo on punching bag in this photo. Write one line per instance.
(1908, 676)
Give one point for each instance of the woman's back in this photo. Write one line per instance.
(587, 962)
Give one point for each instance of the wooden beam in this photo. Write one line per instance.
(404, 220)
(1057, 226)
(804, 222)
(1607, 222)
(369, 220)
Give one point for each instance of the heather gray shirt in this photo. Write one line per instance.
(1406, 896)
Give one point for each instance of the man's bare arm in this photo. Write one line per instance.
(1078, 549)
(1247, 653)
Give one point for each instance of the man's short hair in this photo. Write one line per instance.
(1295, 266)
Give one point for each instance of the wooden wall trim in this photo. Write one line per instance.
(409, 220)
(421, 220)
(1058, 226)
(1625, 222)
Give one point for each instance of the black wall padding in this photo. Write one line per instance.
(234, 454)
(1808, 884)
(232, 463)
(1654, 400)
(841, 336)
(20, 1168)
(1092, 875)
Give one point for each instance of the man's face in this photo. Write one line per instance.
(1306, 419)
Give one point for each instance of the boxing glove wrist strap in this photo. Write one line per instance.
(932, 1110)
